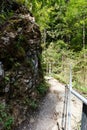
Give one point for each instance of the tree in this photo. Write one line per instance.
(76, 17)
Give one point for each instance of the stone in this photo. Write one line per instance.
(20, 49)
(32, 120)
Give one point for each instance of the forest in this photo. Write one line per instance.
(64, 34)
(49, 42)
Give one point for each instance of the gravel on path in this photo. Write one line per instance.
(49, 116)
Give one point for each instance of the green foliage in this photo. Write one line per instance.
(80, 71)
(76, 16)
(5, 119)
(65, 25)
(6, 79)
(59, 78)
(61, 57)
(17, 65)
(55, 54)
(42, 88)
(6, 10)
(65, 42)
(81, 89)
(40, 9)
(57, 23)
(20, 1)
(32, 103)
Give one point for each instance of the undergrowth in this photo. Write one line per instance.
(42, 88)
(6, 120)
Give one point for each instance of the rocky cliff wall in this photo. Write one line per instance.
(20, 55)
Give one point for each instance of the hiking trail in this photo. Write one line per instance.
(49, 116)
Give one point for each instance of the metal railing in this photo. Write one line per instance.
(84, 101)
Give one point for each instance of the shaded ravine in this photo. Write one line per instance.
(49, 116)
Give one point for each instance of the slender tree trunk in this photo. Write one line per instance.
(44, 37)
(84, 70)
(84, 78)
(83, 35)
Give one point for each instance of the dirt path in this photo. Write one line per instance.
(51, 110)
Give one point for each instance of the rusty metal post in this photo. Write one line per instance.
(84, 117)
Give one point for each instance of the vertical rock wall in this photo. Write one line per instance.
(20, 53)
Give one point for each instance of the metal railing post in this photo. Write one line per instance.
(69, 100)
(84, 117)
(68, 107)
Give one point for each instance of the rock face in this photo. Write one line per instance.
(20, 54)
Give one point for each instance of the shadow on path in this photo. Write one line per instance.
(49, 115)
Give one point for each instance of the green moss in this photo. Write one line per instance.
(20, 52)
(5, 119)
(42, 88)
(32, 103)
